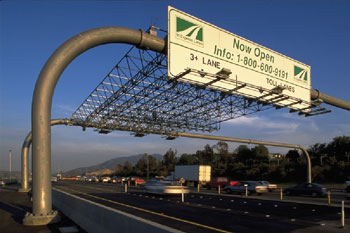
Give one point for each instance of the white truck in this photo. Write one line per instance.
(196, 174)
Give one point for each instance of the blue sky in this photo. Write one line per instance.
(313, 32)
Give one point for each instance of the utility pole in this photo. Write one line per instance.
(278, 156)
(147, 167)
(10, 165)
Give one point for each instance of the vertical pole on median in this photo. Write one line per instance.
(329, 197)
(281, 193)
(219, 189)
(125, 187)
(246, 190)
(198, 187)
(182, 194)
(342, 215)
(10, 164)
(147, 167)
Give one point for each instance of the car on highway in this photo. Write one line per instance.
(164, 187)
(307, 189)
(347, 190)
(219, 181)
(347, 184)
(134, 179)
(139, 181)
(269, 186)
(252, 187)
(106, 179)
(53, 179)
(116, 179)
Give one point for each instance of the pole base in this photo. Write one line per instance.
(24, 190)
(40, 220)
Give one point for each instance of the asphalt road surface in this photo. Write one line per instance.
(210, 212)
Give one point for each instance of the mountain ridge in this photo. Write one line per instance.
(108, 164)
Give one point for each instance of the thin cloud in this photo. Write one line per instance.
(64, 110)
(262, 123)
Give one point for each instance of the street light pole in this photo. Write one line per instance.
(278, 156)
(10, 165)
(147, 167)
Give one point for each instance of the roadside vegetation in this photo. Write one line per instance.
(330, 163)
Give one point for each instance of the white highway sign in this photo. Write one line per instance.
(196, 44)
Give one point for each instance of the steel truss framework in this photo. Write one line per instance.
(138, 95)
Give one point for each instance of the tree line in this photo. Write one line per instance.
(330, 162)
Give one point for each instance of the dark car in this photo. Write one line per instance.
(347, 190)
(307, 189)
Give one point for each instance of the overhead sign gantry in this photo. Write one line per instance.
(138, 96)
(204, 54)
(209, 76)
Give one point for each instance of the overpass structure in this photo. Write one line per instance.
(137, 96)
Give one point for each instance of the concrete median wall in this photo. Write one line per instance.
(94, 217)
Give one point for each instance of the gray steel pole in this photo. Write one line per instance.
(316, 94)
(147, 167)
(42, 101)
(308, 160)
(10, 164)
(25, 156)
(25, 164)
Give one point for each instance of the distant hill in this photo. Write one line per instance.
(107, 165)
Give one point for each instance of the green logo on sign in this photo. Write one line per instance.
(189, 31)
(300, 73)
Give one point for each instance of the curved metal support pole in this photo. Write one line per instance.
(248, 141)
(174, 134)
(25, 164)
(25, 156)
(308, 160)
(42, 101)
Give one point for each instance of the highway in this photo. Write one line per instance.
(207, 211)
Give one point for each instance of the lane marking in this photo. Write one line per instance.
(98, 188)
(151, 212)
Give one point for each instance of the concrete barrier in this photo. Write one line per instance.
(95, 217)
